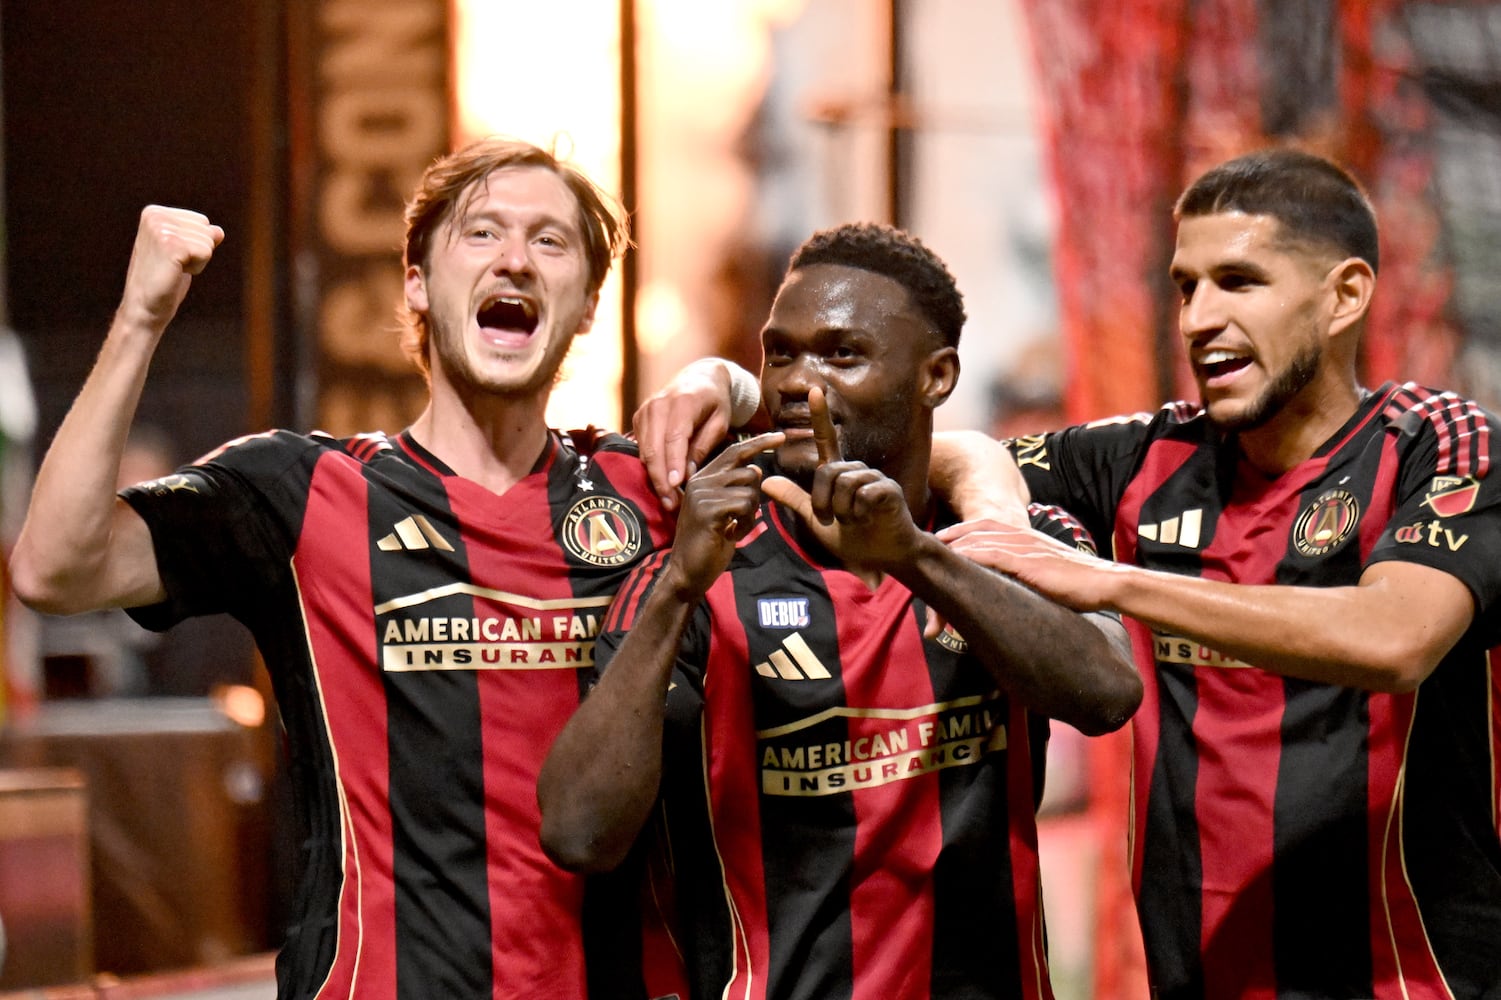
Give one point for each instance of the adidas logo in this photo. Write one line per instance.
(793, 662)
(1181, 530)
(413, 534)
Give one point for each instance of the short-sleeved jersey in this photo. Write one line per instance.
(1295, 839)
(851, 807)
(426, 640)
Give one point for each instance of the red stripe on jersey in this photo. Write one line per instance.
(1162, 461)
(354, 705)
(627, 604)
(898, 826)
(1026, 875)
(535, 907)
(735, 806)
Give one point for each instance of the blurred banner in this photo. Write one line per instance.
(369, 103)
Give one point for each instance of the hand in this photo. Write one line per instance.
(171, 245)
(719, 509)
(1065, 574)
(679, 425)
(858, 513)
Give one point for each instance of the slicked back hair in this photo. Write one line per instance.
(897, 255)
(1315, 202)
(450, 181)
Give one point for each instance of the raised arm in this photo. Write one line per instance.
(977, 476)
(1387, 633)
(601, 777)
(81, 547)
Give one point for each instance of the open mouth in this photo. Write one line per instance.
(508, 314)
(1220, 364)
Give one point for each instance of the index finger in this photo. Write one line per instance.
(744, 452)
(825, 437)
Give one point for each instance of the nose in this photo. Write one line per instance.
(512, 255)
(795, 378)
(1201, 316)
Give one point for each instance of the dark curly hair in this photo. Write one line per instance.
(899, 256)
(1316, 202)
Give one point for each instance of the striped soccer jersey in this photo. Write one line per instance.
(850, 806)
(426, 640)
(1294, 839)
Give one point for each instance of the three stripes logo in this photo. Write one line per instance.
(413, 534)
(1183, 530)
(795, 661)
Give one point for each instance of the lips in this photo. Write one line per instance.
(1219, 365)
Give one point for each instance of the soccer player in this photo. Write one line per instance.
(1311, 571)
(425, 603)
(850, 806)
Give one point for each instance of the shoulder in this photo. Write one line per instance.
(1060, 524)
(1113, 438)
(1461, 429)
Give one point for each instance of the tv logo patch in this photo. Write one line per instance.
(782, 612)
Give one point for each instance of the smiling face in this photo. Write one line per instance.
(1255, 316)
(505, 286)
(882, 368)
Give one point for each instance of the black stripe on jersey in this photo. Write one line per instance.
(1461, 427)
(1323, 950)
(808, 843)
(975, 937)
(436, 775)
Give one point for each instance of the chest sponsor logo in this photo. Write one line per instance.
(1190, 653)
(506, 632)
(1452, 495)
(782, 612)
(1326, 523)
(1431, 533)
(846, 749)
(1183, 530)
(602, 530)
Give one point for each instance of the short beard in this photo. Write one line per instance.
(1277, 395)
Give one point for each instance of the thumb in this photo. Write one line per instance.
(787, 493)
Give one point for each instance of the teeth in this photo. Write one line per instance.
(1218, 357)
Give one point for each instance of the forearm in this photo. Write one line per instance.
(64, 557)
(601, 778)
(1376, 635)
(977, 476)
(1056, 661)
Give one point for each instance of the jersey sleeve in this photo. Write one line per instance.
(1448, 502)
(217, 528)
(685, 692)
(1086, 468)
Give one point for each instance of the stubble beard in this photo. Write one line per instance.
(1292, 380)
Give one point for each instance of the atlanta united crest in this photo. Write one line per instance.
(602, 530)
(1326, 523)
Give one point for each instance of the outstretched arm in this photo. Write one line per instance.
(1387, 633)
(1057, 662)
(81, 547)
(977, 476)
(601, 777)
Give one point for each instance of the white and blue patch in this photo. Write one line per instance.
(782, 612)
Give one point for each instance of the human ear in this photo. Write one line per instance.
(415, 289)
(1352, 282)
(938, 374)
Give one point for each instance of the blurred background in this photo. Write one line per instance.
(1036, 145)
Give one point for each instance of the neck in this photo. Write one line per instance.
(494, 441)
(1300, 428)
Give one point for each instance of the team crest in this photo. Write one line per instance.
(1326, 523)
(602, 530)
(951, 640)
(1451, 495)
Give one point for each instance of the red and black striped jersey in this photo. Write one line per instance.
(850, 807)
(1295, 839)
(426, 640)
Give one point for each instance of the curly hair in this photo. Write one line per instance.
(899, 256)
(1315, 202)
(445, 190)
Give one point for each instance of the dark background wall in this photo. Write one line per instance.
(109, 106)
